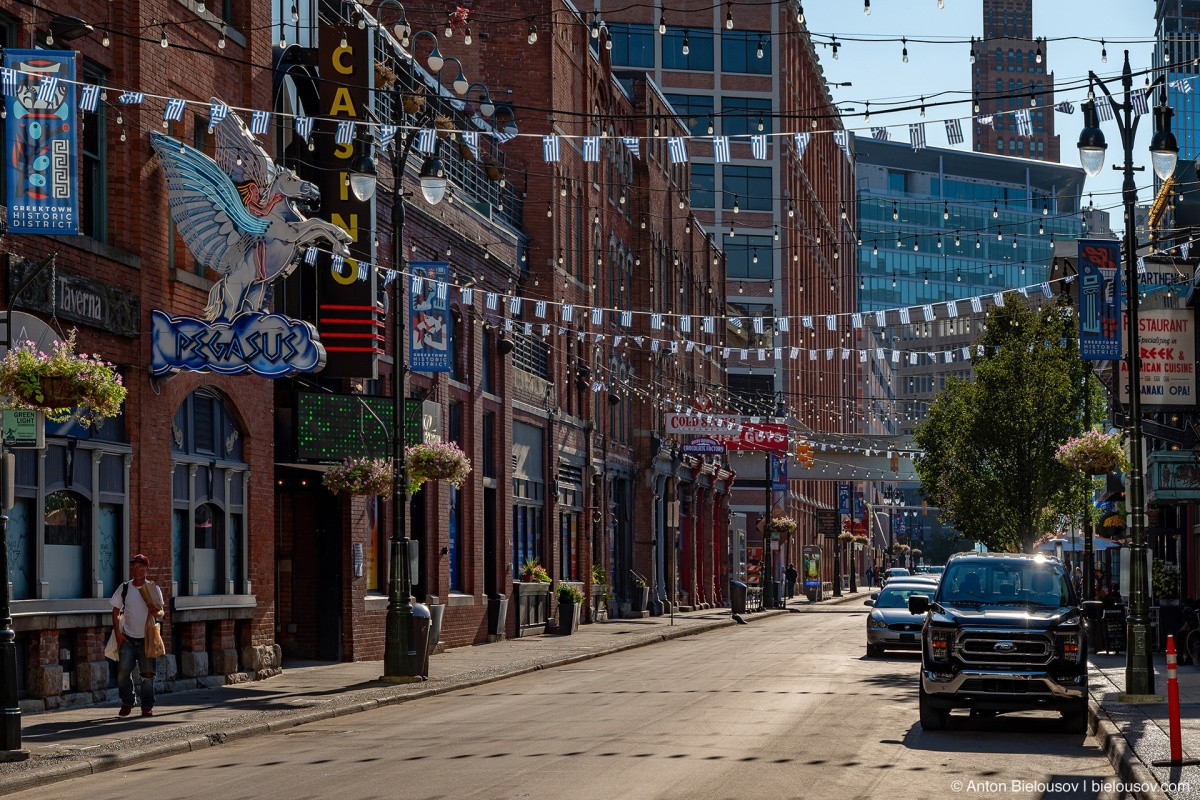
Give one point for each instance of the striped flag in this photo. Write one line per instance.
(550, 148)
(471, 138)
(591, 148)
(758, 146)
(88, 98)
(131, 98)
(986, 119)
(260, 122)
(505, 135)
(1104, 108)
(842, 139)
(626, 319)
(954, 131)
(802, 140)
(1137, 98)
(1066, 107)
(567, 312)
(217, 112)
(8, 77)
(426, 141)
(881, 134)
(677, 147)
(304, 126)
(345, 132)
(1184, 85)
(1024, 126)
(633, 145)
(310, 256)
(385, 134)
(916, 135)
(174, 109)
(720, 149)
(47, 89)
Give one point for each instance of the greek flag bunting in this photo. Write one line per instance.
(952, 308)
(310, 256)
(954, 131)
(174, 109)
(762, 354)
(1137, 98)
(389, 275)
(633, 145)
(467, 295)
(514, 306)
(426, 141)
(626, 319)
(812, 355)
(842, 138)
(998, 299)
(539, 309)
(217, 112)
(567, 312)
(1024, 126)
(784, 325)
(1183, 85)
(8, 77)
(720, 149)
(916, 135)
(656, 322)
(47, 89)
(685, 323)
(550, 148)
(597, 316)
(385, 135)
(862, 356)
(337, 260)
(492, 301)
(793, 352)
(927, 311)
(856, 320)
(905, 318)
(881, 318)
(471, 139)
(1104, 108)
(758, 146)
(986, 119)
(345, 132)
(260, 122)
(591, 148)
(912, 358)
(802, 140)
(708, 325)
(528, 329)
(758, 324)
(304, 126)
(830, 322)
(895, 356)
(88, 98)
(806, 321)
(505, 135)
(677, 147)
(1066, 107)
(976, 305)
(132, 98)
(736, 322)
(1046, 292)
(881, 134)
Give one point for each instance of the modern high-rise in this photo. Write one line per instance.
(1176, 48)
(1009, 73)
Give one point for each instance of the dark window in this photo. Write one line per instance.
(458, 347)
(751, 257)
(700, 49)
(751, 185)
(702, 186)
(489, 444)
(633, 45)
(746, 51)
(752, 395)
(487, 354)
(695, 110)
(741, 115)
(64, 520)
(742, 333)
(93, 146)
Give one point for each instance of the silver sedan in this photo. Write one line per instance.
(890, 625)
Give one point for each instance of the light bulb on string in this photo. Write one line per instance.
(686, 48)
(729, 16)
(105, 41)
(163, 41)
(904, 52)
(866, 8)
(1103, 53)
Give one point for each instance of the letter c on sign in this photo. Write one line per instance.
(339, 53)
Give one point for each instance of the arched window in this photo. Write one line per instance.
(209, 483)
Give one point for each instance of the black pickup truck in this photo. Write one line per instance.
(1004, 632)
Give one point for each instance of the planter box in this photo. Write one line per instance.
(497, 616)
(640, 601)
(533, 607)
(568, 617)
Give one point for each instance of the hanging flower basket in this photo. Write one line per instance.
(436, 462)
(784, 526)
(846, 536)
(62, 383)
(861, 541)
(360, 476)
(900, 548)
(916, 551)
(1093, 453)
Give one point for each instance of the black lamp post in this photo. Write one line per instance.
(1164, 151)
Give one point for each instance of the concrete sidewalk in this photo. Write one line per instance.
(78, 741)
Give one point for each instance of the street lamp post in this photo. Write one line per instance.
(1164, 151)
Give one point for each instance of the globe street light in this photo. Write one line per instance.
(1164, 151)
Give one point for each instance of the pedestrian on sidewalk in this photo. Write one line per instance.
(870, 576)
(133, 613)
(791, 575)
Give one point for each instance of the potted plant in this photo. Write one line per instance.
(781, 526)
(62, 383)
(360, 476)
(533, 572)
(641, 596)
(1166, 581)
(861, 541)
(569, 601)
(532, 594)
(1093, 453)
(600, 595)
(440, 461)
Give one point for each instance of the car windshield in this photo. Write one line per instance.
(1035, 583)
(898, 597)
(896, 572)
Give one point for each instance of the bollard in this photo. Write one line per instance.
(1176, 759)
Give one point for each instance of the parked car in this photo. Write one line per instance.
(893, 572)
(1004, 632)
(890, 625)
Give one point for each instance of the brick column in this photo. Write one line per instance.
(45, 671)
(224, 654)
(193, 659)
(91, 668)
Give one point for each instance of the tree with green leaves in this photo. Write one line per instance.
(988, 443)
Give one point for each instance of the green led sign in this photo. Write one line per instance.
(332, 427)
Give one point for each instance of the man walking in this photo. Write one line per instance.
(791, 574)
(131, 611)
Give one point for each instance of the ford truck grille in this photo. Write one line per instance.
(1004, 648)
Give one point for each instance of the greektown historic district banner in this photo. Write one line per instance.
(1099, 300)
(41, 140)
(429, 345)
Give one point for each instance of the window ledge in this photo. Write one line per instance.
(192, 279)
(456, 599)
(375, 602)
(99, 248)
(213, 601)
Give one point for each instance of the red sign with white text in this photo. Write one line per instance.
(756, 436)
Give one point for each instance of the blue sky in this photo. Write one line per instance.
(879, 74)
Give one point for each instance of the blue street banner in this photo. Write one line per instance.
(843, 498)
(1099, 299)
(429, 344)
(779, 462)
(901, 525)
(42, 142)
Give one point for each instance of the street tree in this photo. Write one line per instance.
(988, 443)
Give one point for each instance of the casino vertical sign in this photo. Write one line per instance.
(41, 142)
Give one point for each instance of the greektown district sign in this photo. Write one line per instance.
(239, 217)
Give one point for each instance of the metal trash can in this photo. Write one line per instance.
(737, 597)
(420, 641)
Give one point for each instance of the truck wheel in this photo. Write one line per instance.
(874, 651)
(1075, 719)
(932, 718)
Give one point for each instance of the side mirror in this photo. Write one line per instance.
(874, 596)
(1093, 610)
(918, 603)
(868, 602)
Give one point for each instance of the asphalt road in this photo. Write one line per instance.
(784, 707)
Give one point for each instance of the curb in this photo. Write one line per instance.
(187, 741)
(1130, 768)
